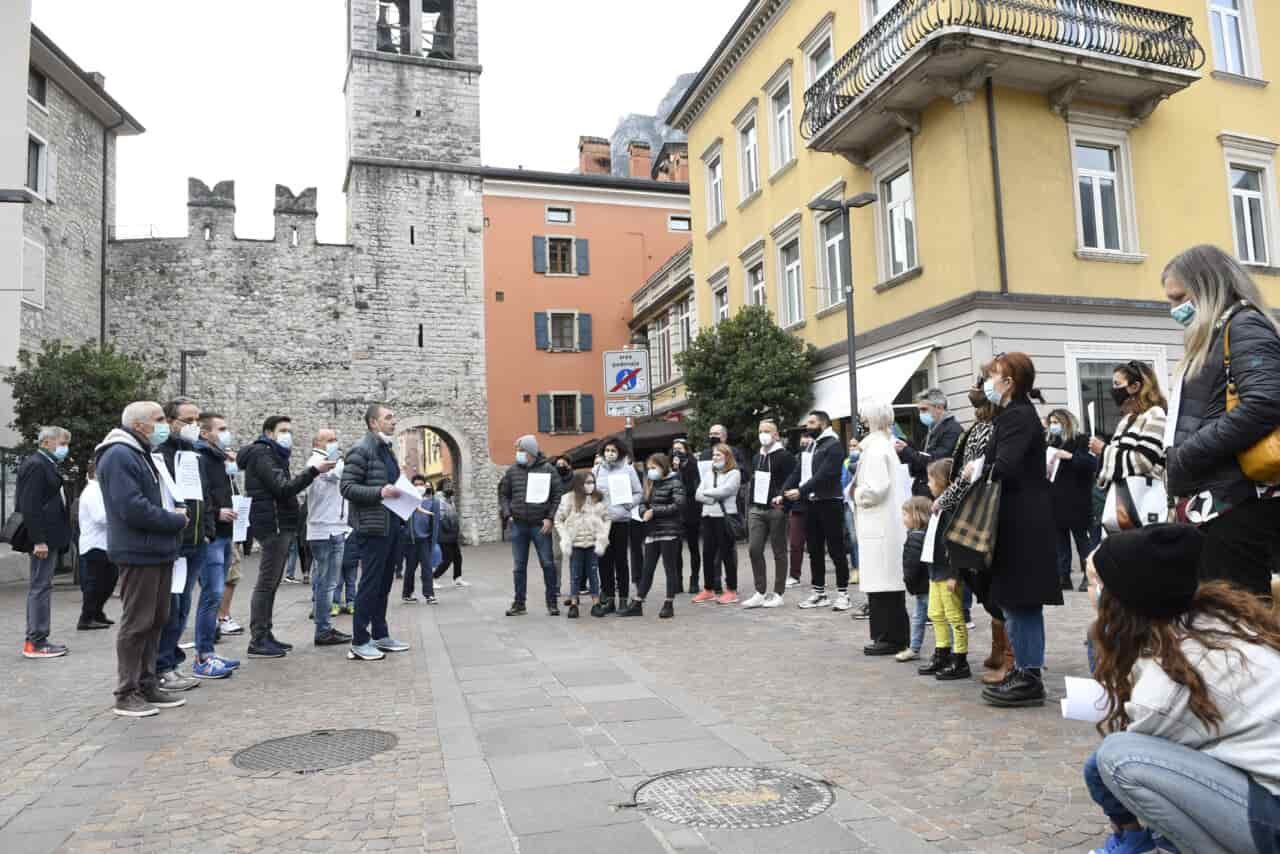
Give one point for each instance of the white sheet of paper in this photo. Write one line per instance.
(806, 466)
(169, 494)
(978, 465)
(537, 487)
(179, 576)
(930, 538)
(187, 464)
(1171, 417)
(619, 487)
(240, 527)
(635, 514)
(1051, 463)
(1093, 419)
(406, 502)
(1086, 700)
(760, 495)
(904, 484)
(704, 470)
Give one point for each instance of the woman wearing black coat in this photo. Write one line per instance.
(1071, 472)
(1213, 297)
(1024, 576)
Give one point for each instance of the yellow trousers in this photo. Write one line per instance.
(947, 615)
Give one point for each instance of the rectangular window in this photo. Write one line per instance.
(563, 327)
(32, 273)
(36, 154)
(720, 304)
(1247, 212)
(437, 29)
(833, 253)
(821, 59)
(1228, 35)
(560, 255)
(660, 356)
(564, 413)
(900, 222)
(757, 293)
(748, 149)
(37, 87)
(783, 146)
(560, 216)
(1098, 180)
(792, 298)
(686, 323)
(676, 222)
(715, 191)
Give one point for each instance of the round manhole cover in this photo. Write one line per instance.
(734, 798)
(314, 751)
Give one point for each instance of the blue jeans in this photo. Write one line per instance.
(346, 584)
(583, 566)
(168, 656)
(325, 566)
(378, 571)
(293, 558)
(851, 536)
(213, 578)
(522, 533)
(1026, 635)
(1196, 802)
(919, 618)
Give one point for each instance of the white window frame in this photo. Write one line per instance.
(1127, 216)
(752, 256)
(1259, 153)
(790, 276)
(713, 164)
(661, 361)
(1075, 352)
(44, 108)
(551, 338)
(42, 168)
(577, 411)
(777, 141)
(869, 16)
(718, 283)
(44, 275)
(831, 286)
(748, 133)
(688, 220)
(887, 165)
(570, 221)
(1250, 43)
(820, 37)
(573, 254)
(687, 312)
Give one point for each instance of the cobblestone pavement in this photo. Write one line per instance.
(530, 734)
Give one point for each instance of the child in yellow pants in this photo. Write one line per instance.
(951, 637)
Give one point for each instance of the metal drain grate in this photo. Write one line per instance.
(314, 751)
(734, 798)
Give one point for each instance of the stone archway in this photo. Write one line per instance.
(475, 478)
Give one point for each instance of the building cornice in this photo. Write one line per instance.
(53, 62)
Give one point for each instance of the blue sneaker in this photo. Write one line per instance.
(390, 644)
(365, 652)
(229, 663)
(210, 668)
(1128, 842)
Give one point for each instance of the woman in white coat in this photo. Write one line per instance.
(877, 493)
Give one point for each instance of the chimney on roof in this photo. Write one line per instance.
(672, 163)
(640, 159)
(99, 78)
(593, 156)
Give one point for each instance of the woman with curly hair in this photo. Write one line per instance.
(1192, 681)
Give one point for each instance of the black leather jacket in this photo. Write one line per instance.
(667, 501)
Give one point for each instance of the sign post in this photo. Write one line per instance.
(626, 386)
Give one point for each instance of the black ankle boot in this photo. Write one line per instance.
(1022, 688)
(607, 606)
(634, 609)
(597, 610)
(668, 611)
(941, 657)
(573, 611)
(957, 668)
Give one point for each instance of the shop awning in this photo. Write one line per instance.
(880, 377)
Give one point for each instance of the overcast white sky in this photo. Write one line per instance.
(253, 90)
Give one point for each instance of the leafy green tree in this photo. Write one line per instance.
(83, 389)
(745, 368)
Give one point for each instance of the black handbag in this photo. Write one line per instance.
(733, 523)
(15, 534)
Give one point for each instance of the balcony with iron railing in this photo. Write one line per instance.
(1106, 52)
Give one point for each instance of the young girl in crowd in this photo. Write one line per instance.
(1192, 678)
(582, 521)
(946, 611)
(915, 573)
(663, 515)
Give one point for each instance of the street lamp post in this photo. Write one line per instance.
(638, 342)
(861, 200)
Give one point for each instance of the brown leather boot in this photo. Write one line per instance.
(998, 640)
(998, 675)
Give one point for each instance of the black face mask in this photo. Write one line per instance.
(1120, 394)
(813, 433)
(428, 494)
(714, 440)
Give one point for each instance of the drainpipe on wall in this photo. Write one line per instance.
(102, 272)
(995, 181)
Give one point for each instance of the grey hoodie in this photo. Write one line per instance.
(618, 512)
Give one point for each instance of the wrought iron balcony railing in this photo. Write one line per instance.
(1097, 26)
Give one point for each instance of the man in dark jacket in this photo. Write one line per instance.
(212, 447)
(369, 476)
(48, 524)
(143, 523)
(818, 483)
(529, 495)
(939, 443)
(450, 536)
(274, 516)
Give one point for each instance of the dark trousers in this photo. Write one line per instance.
(824, 528)
(1240, 546)
(670, 552)
(889, 621)
(418, 559)
(719, 552)
(796, 540)
(450, 555)
(144, 594)
(768, 525)
(692, 538)
(171, 655)
(980, 584)
(1065, 536)
(377, 573)
(275, 551)
(98, 577)
(615, 570)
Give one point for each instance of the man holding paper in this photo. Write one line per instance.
(327, 532)
(274, 517)
(768, 521)
(372, 483)
(212, 447)
(529, 495)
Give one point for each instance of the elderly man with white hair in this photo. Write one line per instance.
(48, 525)
(879, 498)
(143, 526)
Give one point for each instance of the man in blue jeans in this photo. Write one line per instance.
(212, 446)
(369, 475)
(326, 533)
(529, 495)
(344, 589)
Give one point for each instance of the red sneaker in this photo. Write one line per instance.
(704, 597)
(729, 597)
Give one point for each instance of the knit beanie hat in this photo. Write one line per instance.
(528, 444)
(1153, 571)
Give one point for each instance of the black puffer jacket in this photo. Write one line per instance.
(513, 489)
(939, 444)
(364, 473)
(689, 479)
(1208, 438)
(667, 501)
(275, 495)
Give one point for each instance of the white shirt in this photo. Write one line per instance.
(93, 518)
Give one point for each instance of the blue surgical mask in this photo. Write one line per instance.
(655, 474)
(522, 457)
(1183, 314)
(926, 418)
(60, 453)
(331, 450)
(160, 434)
(1055, 429)
(718, 465)
(232, 469)
(989, 389)
(285, 440)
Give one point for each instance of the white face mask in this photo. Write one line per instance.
(190, 432)
(588, 488)
(386, 438)
(766, 439)
(224, 439)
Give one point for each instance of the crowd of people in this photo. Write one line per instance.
(1175, 519)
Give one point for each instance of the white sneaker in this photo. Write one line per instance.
(842, 603)
(459, 582)
(187, 645)
(756, 601)
(907, 655)
(231, 627)
(792, 582)
(773, 600)
(816, 600)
